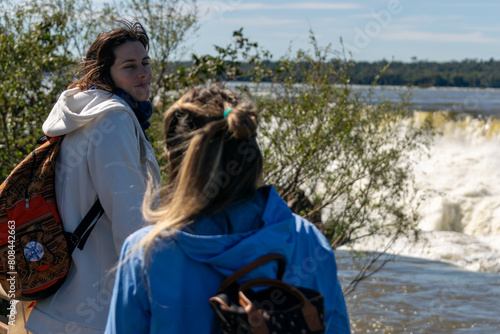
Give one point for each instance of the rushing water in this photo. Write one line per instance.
(449, 280)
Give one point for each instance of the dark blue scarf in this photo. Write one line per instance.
(142, 109)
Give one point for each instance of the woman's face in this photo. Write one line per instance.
(131, 70)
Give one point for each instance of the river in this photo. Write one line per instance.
(415, 295)
(449, 280)
(479, 102)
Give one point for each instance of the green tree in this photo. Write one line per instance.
(34, 68)
(351, 155)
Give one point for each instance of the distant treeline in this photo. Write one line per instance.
(466, 73)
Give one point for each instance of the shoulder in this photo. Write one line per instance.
(115, 124)
(137, 236)
(163, 250)
(310, 234)
(305, 226)
(117, 111)
(130, 254)
(161, 246)
(116, 118)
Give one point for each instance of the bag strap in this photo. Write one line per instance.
(82, 232)
(309, 311)
(254, 265)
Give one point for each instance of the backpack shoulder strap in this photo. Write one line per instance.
(82, 232)
(254, 265)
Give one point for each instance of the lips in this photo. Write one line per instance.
(143, 85)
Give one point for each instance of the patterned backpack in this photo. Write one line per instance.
(35, 251)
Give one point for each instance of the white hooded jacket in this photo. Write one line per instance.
(105, 154)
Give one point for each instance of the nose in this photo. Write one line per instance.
(144, 72)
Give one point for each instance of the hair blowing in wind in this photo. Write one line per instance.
(213, 159)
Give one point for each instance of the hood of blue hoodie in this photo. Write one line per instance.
(268, 223)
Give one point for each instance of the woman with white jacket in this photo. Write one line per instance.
(105, 155)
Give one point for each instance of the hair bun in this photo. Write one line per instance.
(242, 121)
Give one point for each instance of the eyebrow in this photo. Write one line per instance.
(134, 60)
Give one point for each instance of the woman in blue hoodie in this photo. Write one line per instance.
(214, 219)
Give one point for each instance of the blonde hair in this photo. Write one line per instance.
(213, 160)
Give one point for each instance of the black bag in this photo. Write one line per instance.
(279, 308)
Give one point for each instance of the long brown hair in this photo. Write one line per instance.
(213, 159)
(95, 68)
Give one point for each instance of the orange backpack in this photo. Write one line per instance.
(35, 251)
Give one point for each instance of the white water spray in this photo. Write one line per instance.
(461, 211)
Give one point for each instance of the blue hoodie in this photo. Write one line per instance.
(170, 294)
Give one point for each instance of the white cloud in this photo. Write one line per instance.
(260, 21)
(317, 5)
(427, 19)
(486, 29)
(475, 37)
(237, 5)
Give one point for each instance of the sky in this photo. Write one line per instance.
(371, 30)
